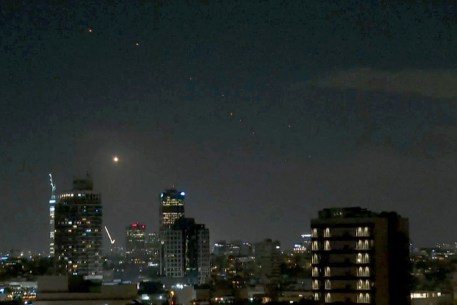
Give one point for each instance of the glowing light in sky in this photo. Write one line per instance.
(115, 159)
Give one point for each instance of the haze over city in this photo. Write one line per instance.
(263, 112)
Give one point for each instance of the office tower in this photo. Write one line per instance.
(135, 243)
(360, 256)
(186, 252)
(171, 207)
(52, 207)
(153, 249)
(78, 231)
(267, 255)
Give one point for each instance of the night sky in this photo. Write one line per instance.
(263, 112)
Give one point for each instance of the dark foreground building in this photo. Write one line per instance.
(360, 257)
(186, 251)
(78, 231)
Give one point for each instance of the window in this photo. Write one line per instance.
(328, 284)
(315, 271)
(327, 246)
(359, 258)
(366, 271)
(363, 271)
(363, 298)
(359, 231)
(314, 233)
(363, 285)
(314, 246)
(327, 271)
(363, 258)
(362, 232)
(328, 297)
(363, 245)
(327, 232)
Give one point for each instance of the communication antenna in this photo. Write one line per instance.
(53, 187)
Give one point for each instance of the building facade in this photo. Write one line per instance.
(186, 251)
(52, 208)
(78, 231)
(135, 243)
(153, 249)
(171, 207)
(360, 257)
(268, 259)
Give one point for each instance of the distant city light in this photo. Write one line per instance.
(183, 193)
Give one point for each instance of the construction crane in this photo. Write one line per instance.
(112, 241)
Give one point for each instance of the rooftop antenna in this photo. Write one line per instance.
(53, 187)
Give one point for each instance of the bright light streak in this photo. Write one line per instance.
(109, 236)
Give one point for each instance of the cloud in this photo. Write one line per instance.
(440, 84)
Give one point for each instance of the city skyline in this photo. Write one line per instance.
(263, 112)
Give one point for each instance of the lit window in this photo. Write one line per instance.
(363, 298)
(359, 258)
(327, 245)
(314, 233)
(327, 232)
(315, 271)
(363, 272)
(363, 245)
(328, 298)
(315, 246)
(327, 271)
(359, 231)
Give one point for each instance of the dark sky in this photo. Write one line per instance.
(264, 112)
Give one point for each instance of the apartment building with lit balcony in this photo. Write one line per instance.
(78, 231)
(360, 257)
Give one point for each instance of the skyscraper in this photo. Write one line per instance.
(78, 231)
(359, 256)
(153, 249)
(52, 207)
(135, 243)
(171, 207)
(186, 251)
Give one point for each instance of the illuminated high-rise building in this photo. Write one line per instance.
(153, 249)
(171, 207)
(78, 231)
(359, 256)
(52, 207)
(135, 243)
